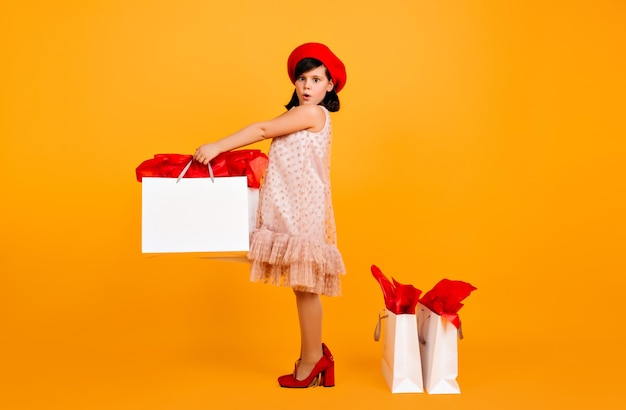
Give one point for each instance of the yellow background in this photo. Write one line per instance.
(478, 140)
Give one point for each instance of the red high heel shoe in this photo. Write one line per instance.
(322, 374)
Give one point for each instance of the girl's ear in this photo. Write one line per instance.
(330, 87)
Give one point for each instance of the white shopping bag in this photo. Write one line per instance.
(439, 352)
(197, 215)
(401, 364)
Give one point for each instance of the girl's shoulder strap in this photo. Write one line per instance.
(327, 115)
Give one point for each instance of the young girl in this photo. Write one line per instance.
(294, 242)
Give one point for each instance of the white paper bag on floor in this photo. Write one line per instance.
(197, 214)
(438, 339)
(401, 364)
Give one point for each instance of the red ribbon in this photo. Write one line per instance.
(399, 298)
(445, 299)
(250, 163)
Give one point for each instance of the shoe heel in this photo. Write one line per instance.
(328, 378)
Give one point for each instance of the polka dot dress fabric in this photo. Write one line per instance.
(295, 240)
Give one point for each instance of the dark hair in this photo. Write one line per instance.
(331, 100)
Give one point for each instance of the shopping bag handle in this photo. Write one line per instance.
(379, 324)
(184, 171)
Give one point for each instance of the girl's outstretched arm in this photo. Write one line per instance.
(303, 117)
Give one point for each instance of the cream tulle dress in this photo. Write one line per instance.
(295, 240)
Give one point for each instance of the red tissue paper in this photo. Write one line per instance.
(250, 163)
(445, 299)
(399, 298)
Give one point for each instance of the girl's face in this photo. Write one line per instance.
(311, 87)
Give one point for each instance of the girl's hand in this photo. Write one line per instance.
(206, 153)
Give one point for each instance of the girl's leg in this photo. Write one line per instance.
(310, 318)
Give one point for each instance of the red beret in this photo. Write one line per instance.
(318, 51)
